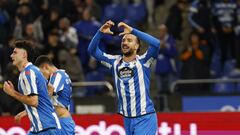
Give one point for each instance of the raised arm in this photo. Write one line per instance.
(93, 48)
(152, 41)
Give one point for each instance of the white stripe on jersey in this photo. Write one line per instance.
(57, 81)
(22, 84)
(133, 97)
(143, 56)
(124, 98)
(55, 102)
(57, 120)
(110, 56)
(108, 65)
(142, 88)
(27, 89)
(30, 117)
(35, 113)
(115, 72)
(33, 81)
(149, 62)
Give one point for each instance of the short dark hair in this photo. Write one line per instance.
(42, 59)
(139, 44)
(26, 45)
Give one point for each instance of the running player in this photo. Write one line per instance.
(33, 92)
(132, 77)
(60, 94)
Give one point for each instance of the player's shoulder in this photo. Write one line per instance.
(110, 56)
(140, 57)
(60, 73)
(31, 69)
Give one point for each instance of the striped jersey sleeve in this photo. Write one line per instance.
(93, 49)
(57, 82)
(29, 82)
(154, 46)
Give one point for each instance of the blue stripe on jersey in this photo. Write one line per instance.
(120, 99)
(31, 81)
(128, 99)
(57, 81)
(148, 100)
(20, 88)
(120, 105)
(132, 89)
(34, 119)
(62, 88)
(137, 94)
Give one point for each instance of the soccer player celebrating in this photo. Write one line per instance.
(60, 93)
(132, 77)
(33, 92)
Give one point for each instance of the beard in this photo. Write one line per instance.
(128, 53)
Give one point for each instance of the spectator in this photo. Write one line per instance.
(86, 29)
(50, 21)
(237, 31)
(4, 23)
(53, 47)
(175, 15)
(33, 32)
(200, 18)
(8, 105)
(71, 63)
(66, 8)
(80, 5)
(24, 15)
(224, 14)
(165, 67)
(94, 8)
(68, 34)
(195, 63)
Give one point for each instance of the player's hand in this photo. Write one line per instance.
(50, 89)
(106, 28)
(19, 116)
(8, 88)
(127, 28)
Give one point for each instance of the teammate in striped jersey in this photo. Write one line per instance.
(132, 77)
(33, 92)
(60, 94)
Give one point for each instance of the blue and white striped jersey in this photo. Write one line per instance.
(132, 79)
(62, 89)
(32, 82)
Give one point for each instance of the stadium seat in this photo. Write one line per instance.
(238, 88)
(216, 65)
(136, 12)
(92, 90)
(229, 66)
(114, 12)
(222, 88)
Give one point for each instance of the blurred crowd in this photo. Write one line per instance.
(200, 39)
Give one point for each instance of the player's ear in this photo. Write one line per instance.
(25, 54)
(136, 47)
(45, 66)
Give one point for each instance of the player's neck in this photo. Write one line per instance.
(53, 69)
(129, 58)
(22, 65)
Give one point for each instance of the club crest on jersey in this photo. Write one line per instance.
(125, 73)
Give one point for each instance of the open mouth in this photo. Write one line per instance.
(125, 47)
